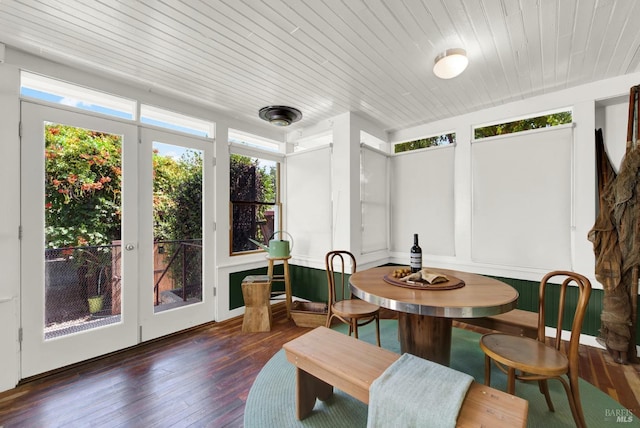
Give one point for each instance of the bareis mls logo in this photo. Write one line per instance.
(618, 415)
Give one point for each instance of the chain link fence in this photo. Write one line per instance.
(83, 284)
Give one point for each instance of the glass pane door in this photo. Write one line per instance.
(177, 231)
(174, 200)
(77, 181)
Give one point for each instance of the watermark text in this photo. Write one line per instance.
(618, 415)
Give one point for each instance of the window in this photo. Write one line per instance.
(59, 92)
(240, 138)
(176, 121)
(543, 121)
(68, 94)
(422, 143)
(371, 141)
(314, 141)
(509, 223)
(254, 184)
(374, 205)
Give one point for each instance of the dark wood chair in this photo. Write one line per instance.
(343, 305)
(529, 359)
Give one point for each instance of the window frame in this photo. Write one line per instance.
(76, 97)
(441, 136)
(255, 153)
(508, 121)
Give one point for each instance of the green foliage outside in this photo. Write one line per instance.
(440, 140)
(253, 192)
(177, 196)
(83, 199)
(544, 121)
(252, 180)
(83, 192)
(83, 202)
(82, 187)
(177, 216)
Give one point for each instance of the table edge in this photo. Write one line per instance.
(444, 312)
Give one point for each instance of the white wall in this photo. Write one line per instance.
(9, 221)
(601, 104)
(605, 100)
(612, 118)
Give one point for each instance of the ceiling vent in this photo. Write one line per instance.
(280, 115)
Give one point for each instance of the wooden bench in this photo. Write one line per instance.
(325, 359)
(517, 321)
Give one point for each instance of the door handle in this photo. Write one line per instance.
(129, 247)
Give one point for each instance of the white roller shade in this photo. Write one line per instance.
(422, 202)
(374, 178)
(308, 203)
(522, 192)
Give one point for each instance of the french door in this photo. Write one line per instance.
(96, 275)
(177, 291)
(79, 243)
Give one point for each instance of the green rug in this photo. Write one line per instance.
(271, 401)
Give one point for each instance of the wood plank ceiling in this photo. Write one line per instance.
(327, 57)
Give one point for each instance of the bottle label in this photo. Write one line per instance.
(416, 261)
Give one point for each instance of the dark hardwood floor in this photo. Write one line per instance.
(201, 377)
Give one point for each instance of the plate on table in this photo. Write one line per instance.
(451, 284)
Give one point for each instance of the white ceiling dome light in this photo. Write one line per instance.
(450, 63)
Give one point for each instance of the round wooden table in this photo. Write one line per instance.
(425, 316)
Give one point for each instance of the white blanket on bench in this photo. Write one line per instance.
(414, 392)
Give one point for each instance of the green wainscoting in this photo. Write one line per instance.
(235, 284)
(311, 284)
(528, 300)
(306, 283)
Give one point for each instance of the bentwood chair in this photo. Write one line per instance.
(342, 304)
(529, 359)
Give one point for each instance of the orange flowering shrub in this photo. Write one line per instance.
(82, 186)
(83, 178)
